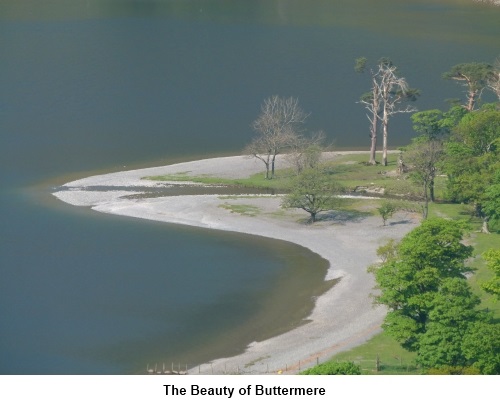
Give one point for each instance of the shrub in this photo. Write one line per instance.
(333, 368)
(387, 210)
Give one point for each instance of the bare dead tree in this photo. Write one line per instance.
(394, 91)
(388, 91)
(371, 101)
(279, 126)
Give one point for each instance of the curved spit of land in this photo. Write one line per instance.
(342, 318)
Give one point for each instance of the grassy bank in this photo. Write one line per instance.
(392, 358)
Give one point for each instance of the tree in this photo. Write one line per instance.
(472, 158)
(278, 126)
(491, 200)
(434, 124)
(371, 101)
(428, 123)
(432, 309)
(474, 76)
(394, 90)
(386, 210)
(423, 156)
(412, 274)
(481, 346)
(454, 308)
(314, 192)
(492, 286)
(387, 93)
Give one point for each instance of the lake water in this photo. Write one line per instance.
(100, 85)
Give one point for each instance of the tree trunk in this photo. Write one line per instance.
(267, 170)
(374, 122)
(485, 228)
(471, 99)
(385, 125)
(373, 149)
(313, 217)
(272, 166)
(431, 190)
(426, 201)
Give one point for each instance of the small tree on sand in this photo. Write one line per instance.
(313, 191)
(386, 210)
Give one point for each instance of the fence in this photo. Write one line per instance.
(388, 365)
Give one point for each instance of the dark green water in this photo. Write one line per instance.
(95, 85)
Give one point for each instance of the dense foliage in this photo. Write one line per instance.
(472, 158)
(413, 273)
(432, 310)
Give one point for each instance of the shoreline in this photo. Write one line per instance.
(342, 318)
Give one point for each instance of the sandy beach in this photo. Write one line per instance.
(342, 318)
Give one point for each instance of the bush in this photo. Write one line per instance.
(333, 368)
(387, 210)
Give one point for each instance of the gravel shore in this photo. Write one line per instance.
(342, 318)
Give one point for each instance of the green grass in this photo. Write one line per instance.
(483, 242)
(281, 182)
(349, 170)
(352, 171)
(392, 359)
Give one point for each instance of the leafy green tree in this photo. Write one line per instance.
(453, 310)
(314, 191)
(492, 258)
(475, 76)
(481, 347)
(452, 117)
(472, 158)
(331, 368)
(432, 309)
(436, 123)
(412, 274)
(491, 201)
(428, 123)
(386, 210)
